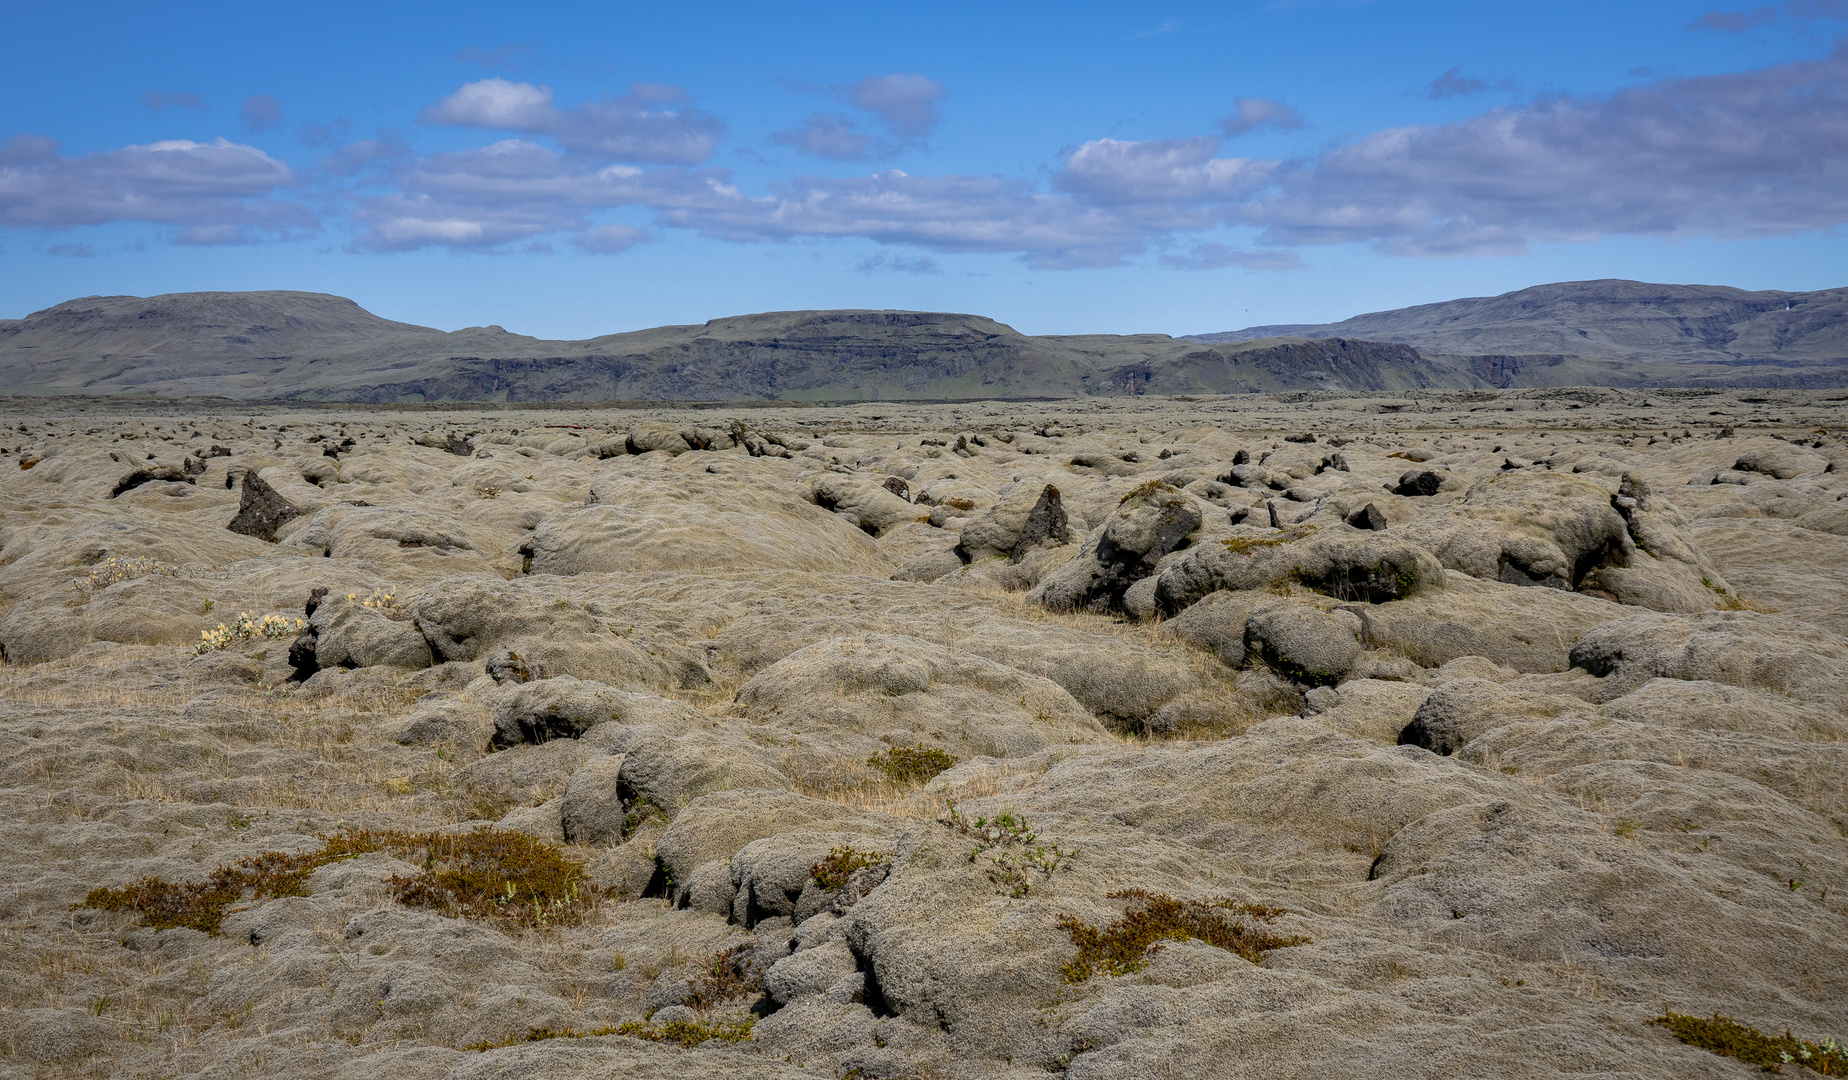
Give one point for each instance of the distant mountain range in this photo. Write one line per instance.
(316, 347)
(1715, 331)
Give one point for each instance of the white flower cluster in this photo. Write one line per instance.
(245, 627)
(113, 569)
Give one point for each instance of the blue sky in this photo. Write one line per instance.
(567, 170)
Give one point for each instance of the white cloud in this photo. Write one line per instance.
(1758, 152)
(1165, 177)
(1755, 153)
(225, 191)
(632, 127)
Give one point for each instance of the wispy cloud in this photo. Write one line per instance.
(1216, 256)
(1742, 22)
(897, 264)
(261, 112)
(511, 56)
(1252, 113)
(1454, 83)
(159, 100)
(610, 239)
(827, 135)
(908, 106)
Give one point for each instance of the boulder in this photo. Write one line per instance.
(846, 699)
(695, 522)
(593, 809)
(1303, 643)
(1217, 624)
(1462, 709)
(564, 707)
(349, 634)
(1151, 521)
(1027, 514)
(648, 436)
(869, 506)
(713, 828)
(467, 619)
(1738, 648)
(1419, 482)
(1339, 561)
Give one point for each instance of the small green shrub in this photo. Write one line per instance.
(911, 764)
(832, 872)
(727, 976)
(1011, 847)
(1727, 1037)
(1126, 944)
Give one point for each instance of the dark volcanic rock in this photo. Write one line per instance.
(262, 510)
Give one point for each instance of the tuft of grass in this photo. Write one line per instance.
(483, 874)
(1238, 545)
(690, 1032)
(1727, 1037)
(1148, 489)
(911, 764)
(1124, 947)
(832, 872)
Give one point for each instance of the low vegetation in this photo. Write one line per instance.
(1011, 848)
(727, 976)
(245, 627)
(681, 1033)
(1238, 545)
(113, 570)
(911, 764)
(1148, 489)
(483, 874)
(1124, 947)
(1727, 1037)
(832, 872)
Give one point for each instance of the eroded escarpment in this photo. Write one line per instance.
(1233, 737)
